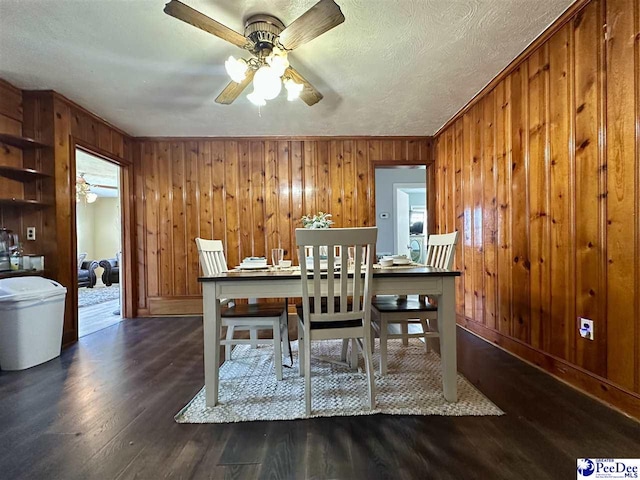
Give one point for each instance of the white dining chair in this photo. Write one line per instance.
(252, 316)
(404, 311)
(336, 302)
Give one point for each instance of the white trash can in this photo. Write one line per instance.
(31, 318)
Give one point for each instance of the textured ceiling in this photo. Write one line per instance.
(394, 67)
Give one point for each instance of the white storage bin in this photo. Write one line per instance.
(31, 318)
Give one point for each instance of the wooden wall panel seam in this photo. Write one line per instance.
(602, 180)
(637, 189)
(572, 193)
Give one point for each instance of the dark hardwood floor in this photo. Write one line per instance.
(104, 410)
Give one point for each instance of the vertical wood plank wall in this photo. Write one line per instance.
(250, 193)
(11, 119)
(54, 119)
(541, 176)
(72, 123)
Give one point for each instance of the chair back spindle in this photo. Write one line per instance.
(211, 253)
(440, 249)
(337, 283)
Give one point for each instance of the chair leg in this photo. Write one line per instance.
(300, 350)
(277, 349)
(228, 346)
(404, 326)
(253, 335)
(307, 376)
(368, 362)
(354, 355)
(284, 335)
(373, 339)
(345, 346)
(425, 330)
(384, 332)
(433, 326)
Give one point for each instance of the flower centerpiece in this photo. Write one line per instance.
(321, 220)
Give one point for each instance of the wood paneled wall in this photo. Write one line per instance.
(540, 174)
(56, 120)
(250, 193)
(13, 119)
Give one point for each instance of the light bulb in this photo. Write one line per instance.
(236, 68)
(293, 89)
(267, 83)
(278, 61)
(91, 197)
(256, 99)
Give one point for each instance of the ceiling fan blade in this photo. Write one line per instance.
(193, 17)
(309, 94)
(323, 16)
(233, 90)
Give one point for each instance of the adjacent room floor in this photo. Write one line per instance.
(105, 410)
(98, 308)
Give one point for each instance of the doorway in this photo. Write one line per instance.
(401, 210)
(99, 231)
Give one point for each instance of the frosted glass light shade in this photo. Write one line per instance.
(236, 68)
(91, 197)
(256, 99)
(293, 89)
(278, 62)
(267, 83)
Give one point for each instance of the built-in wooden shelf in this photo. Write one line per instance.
(21, 142)
(19, 202)
(21, 174)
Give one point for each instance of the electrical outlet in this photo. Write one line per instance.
(585, 328)
(31, 233)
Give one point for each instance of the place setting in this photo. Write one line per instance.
(396, 261)
(278, 263)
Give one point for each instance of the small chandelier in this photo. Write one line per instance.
(268, 78)
(83, 190)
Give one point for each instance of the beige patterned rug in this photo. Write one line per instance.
(249, 389)
(97, 294)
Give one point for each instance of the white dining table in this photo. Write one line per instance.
(433, 282)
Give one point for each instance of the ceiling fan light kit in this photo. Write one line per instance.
(269, 41)
(83, 190)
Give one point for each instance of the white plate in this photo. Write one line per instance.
(252, 267)
(401, 261)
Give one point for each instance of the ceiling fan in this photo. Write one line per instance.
(269, 42)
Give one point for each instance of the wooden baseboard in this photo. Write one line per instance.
(174, 306)
(612, 395)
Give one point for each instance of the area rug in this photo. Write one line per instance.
(96, 295)
(249, 390)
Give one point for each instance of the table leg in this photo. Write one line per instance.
(211, 328)
(447, 328)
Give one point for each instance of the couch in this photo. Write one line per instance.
(87, 273)
(111, 272)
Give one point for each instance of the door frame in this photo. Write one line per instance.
(126, 232)
(430, 186)
(396, 188)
